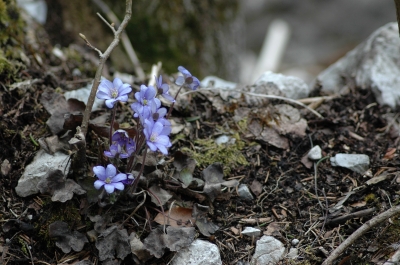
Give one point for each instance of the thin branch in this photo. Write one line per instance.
(107, 23)
(359, 232)
(103, 59)
(260, 95)
(124, 38)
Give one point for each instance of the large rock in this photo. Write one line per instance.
(38, 169)
(269, 251)
(200, 252)
(373, 64)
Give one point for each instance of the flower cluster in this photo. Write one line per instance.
(153, 127)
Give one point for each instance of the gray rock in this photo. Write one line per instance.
(292, 87)
(251, 231)
(373, 64)
(269, 251)
(356, 162)
(315, 153)
(295, 241)
(35, 171)
(200, 252)
(244, 193)
(293, 253)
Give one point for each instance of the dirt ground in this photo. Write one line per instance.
(285, 203)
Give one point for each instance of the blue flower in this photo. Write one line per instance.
(162, 89)
(109, 178)
(122, 145)
(187, 79)
(146, 102)
(156, 137)
(113, 92)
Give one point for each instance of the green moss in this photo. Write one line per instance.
(228, 154)
(370, 198)
(11, 40)
(66, 212)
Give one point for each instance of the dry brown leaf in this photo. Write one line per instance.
(176, 217)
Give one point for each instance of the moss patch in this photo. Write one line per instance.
(228, 154)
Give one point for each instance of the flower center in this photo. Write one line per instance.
(108, 180)
(189, 80)
(114, 93)
(153, 138)
(145, 101)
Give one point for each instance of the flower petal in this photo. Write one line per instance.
(100, 172)
(151, 146)
(111, 171)
(119, 177)
(109, 188)
(119, 185)
(98, 184)
(180, 80)
(110, 103)
(117, 82)
(124, 89)
(162, 148)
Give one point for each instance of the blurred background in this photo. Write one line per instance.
(222, 37)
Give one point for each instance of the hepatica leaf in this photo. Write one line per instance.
(67, 240)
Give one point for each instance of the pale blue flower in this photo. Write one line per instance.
(109, 178)
(113, 91)
(187, 79)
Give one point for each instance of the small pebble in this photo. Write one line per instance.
(295, 242)
(315, 153)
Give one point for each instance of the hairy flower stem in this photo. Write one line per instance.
(136, 181)
(114, 111)
(173, 103)
(103, 58)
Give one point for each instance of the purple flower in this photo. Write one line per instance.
(187, 79)
(129, 179)
(113, 92)
(156, 137)
(146, 102)
(122, 145)
(162, 89)
(109, 178)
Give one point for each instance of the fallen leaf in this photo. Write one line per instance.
(138, 248)
(213, 177)
(184, 169)
(205, 226)
(256, 187)
(273, 229)
(60, 188)
(176, 217)
(162, 195)
(67, 240)
(175, 239)
(390, 153)
(113, 243)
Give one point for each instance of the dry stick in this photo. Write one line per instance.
(359, 232)
(262, 96)
(124, 38)
(103, 58)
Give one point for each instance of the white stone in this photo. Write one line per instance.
(293, 253)
(244, 192)
(356, 162)
(200, 252)
(269, 251)
(315, 153)
(295, 241)
(35, 171)
(251, 231)
(374, 64)
(292, 87)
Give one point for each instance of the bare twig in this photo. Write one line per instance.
(260, 95)
(103, 58)
(359, 232)
(124, 38)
